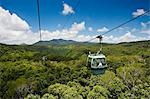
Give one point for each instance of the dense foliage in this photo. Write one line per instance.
(60, 72)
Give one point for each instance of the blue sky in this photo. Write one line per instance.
(96, 14)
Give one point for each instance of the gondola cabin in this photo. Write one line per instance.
(97, 63)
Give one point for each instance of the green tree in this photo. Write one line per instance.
(98, 92)
(48, 96)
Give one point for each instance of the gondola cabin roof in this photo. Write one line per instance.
(96, 56)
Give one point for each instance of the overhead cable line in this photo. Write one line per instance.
(124, 23)
(39, 19)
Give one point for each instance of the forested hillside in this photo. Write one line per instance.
(59, 71)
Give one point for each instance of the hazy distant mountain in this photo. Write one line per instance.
(56, 42)
(139, 43)
(67, 42)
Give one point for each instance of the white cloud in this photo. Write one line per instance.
(146, 31)
(138, 12)
(145, 28)
(90, 29)
(134, 30)
(67, 9)
(127, 37)
(145, 24)
(71, 33)
(77, 27)
(12, 27)
(84, 38)
(130, 34)
(12, 21)
(104, 29)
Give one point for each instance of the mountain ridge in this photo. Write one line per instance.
(68, 42)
